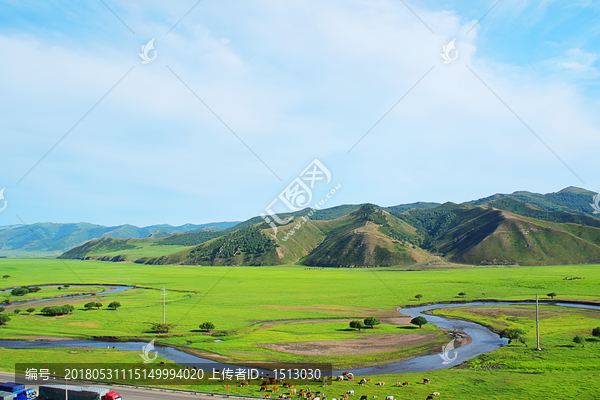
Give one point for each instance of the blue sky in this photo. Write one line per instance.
(295, 81)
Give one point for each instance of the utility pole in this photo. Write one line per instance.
(164, 294)
(537, 323)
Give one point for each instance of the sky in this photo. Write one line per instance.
(242, 96)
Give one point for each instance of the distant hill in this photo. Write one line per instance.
(487, 235)
(367, 236)
(20, 239)
(521, 228)
(571, 199)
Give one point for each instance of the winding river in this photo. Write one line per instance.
(483, 339)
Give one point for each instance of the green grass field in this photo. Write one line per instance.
(236, 298)
(558, 326)
(143, 248)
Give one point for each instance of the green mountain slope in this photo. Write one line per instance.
(478, 235)
(369, 236)
(572, 199)
(523, 228)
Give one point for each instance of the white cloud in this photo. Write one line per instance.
(576, 60)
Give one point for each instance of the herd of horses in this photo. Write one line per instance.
(307, 394)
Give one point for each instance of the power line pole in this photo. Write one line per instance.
(537, 323)
(164, 295)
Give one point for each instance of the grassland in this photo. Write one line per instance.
(254, 306)
(558, 326)
(129, 249)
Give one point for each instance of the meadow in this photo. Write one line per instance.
(255, 306)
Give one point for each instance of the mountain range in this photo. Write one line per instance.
(503, 229)
(56, 237)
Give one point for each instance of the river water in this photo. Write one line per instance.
(483, 339)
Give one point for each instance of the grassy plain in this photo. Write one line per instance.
(139, 248)
(558, 326)
(243, 301)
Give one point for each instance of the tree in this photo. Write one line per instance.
(6, 276)
(90, 305)
(1, 309)
(462, 294)
(207, 326)
(16, 311)
(66, 285)
(512, 333)
(34, 289)
(371, 322)
(20, 291)
(4, 319)
(420, 320)
(30, 310)
(579, 340)
(114, 305)
(552, 295)
(59, 288)
(98, 305)
(160, 328)
(596, 332)
(57, 310)
(418, 297)
(357, 325)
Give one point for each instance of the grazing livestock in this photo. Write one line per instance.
(350, 392)
(425, 381)
(430, 397)
(364, 397)
(389, 398)
(275, 388)
(267, 395)
(292, 391)
(263, 389)
(380, 383)
(405, 384)
(436, 393)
